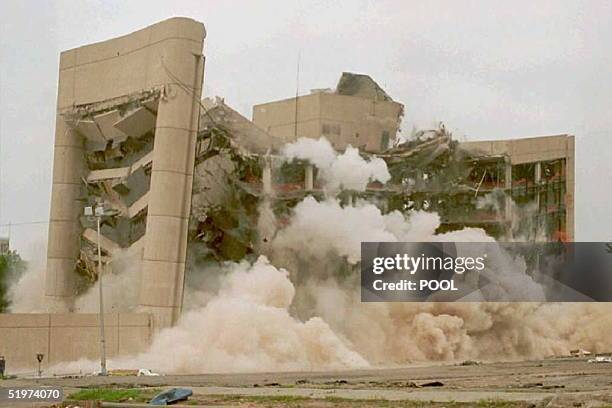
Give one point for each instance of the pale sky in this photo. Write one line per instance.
(488, 70)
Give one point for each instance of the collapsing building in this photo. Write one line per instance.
(536, 177)
(181, 180)
(519, 189)
(514, 189)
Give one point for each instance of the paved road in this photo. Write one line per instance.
(516, 381)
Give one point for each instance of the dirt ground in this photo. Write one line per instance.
(569, 382)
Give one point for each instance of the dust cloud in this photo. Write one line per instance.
(302, 311)
(120, 283)
(248, 327)
(121, 280)
(27, 294)
(297, 307)
(388, 334)
(348, 171)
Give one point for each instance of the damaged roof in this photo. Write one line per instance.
(244, 132)
(361, 85)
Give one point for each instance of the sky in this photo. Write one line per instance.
(488, 70)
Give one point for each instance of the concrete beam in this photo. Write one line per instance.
(106, 244)
(136, 123)
(106, 123)
(120, 172)
(108, 174)
(89, 129)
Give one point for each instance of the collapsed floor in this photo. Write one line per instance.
(431, 172)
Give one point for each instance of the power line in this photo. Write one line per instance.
(187, 90)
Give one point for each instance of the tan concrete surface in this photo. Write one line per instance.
(64, 337)
(166, 57)
(360, 121)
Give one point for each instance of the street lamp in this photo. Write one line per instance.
(98, 211)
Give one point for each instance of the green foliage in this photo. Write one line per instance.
(108, 395)
(11, 268)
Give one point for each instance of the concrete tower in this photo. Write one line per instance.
(127, 117)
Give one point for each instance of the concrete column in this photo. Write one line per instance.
(537, 177)
(538, 172)
(167, 57)
(64, 228)
(267, 177)
(569, 188)
(163, 265)
(418, 182)
(508, 190)
(309, 178)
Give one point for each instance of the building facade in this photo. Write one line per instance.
(358, 112)
(536, 175)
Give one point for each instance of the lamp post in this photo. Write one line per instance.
(99, 212)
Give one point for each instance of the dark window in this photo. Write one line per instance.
(330, 129)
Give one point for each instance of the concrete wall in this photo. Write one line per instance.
(278, 118)
(362, 121)
(357, 121)
(66, 337)
(525, 150)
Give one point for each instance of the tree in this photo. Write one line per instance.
(11, 269)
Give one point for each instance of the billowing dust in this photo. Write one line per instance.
(297, 307)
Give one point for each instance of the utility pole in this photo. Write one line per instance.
(102, 336)
(297, 92)
(98, 212)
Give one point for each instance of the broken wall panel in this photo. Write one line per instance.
(224, 209)
(136, 123)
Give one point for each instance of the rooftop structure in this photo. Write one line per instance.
(359, 112)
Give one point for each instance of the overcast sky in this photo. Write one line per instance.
(489, 70)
